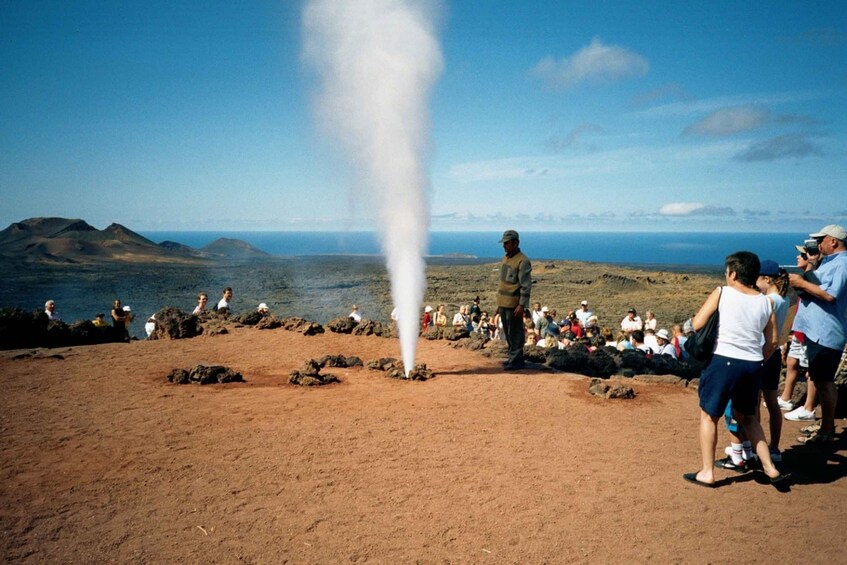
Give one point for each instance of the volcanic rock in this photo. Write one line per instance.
(173, 323)
(342, 325)
(598, 388)
(204, 375)
(310, 375)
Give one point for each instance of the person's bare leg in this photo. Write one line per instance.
(829, 397)
(811, 395)
(792, 373)
(754, 432)
(774, 417)
(708, 441)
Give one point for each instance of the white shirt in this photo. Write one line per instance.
(628, 325)
(223, 304)
(741, 325)
(356, 316)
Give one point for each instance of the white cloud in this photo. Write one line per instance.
(596, 63)
(694, 209)
(730, 121)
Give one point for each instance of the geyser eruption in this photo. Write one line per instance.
(377, 61)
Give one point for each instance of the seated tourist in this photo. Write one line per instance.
(636, 338)
(650, 340)
(150, 326)
(632, 322)
(263, 309)
(440, 318)
(663, 340)
(650, 321)
(224, 302)
(50, 310)
(202, 298)
(99, 321)
(354, 314)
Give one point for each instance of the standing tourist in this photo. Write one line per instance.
(513, 297)
(824, 323)
(746, 336)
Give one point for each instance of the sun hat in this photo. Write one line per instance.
(544, 309)
(832, 230)
(509, 235)
(428, 309)
(663, 333)
(262, 306)
(769, 268)
(127, 309)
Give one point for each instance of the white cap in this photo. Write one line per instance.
(428, 309)
(663, 333)
(545, 309)
(262, 306)
(127, 309)
(584, 303)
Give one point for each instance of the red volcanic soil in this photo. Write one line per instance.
(104, 461)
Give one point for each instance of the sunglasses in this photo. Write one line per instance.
(804, 256)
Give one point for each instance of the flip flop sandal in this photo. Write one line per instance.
(727, 463)
(692, 478)
(816, 438)
(810, 429)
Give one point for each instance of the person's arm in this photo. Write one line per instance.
(708, 308)
(525, 280)
(771, 336)
(798, 282)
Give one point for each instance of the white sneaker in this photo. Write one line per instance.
(800, 415)
(784, 404)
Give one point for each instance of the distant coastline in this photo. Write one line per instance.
(678, 251)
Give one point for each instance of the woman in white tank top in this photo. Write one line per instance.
(746, 336)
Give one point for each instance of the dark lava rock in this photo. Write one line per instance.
(598, 388)
(418, 373)
(371, 327)
(635, 360)
(204, 375)
(382, 364)
(667, 365)
(534, 354)
(178, 376)
(601, 363)
(173, 323)
(659, 379)
(268, 323)
(342, 325)
(250, 318)
(301, 325)
(310, 375)
(455, 334)
(339, 361)
(19, 329)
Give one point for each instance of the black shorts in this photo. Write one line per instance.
(823, 362)
(771, 371)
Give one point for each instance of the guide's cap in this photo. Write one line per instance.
(631, 311)
(832, 230)
(769, 268)
(510, 235)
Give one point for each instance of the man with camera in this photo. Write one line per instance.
(823, 321)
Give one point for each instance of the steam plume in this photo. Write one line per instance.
(377, 61)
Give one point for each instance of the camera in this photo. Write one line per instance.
(811, 247)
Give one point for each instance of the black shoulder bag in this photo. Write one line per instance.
(701, 346)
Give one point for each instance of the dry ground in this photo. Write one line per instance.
(104, 461)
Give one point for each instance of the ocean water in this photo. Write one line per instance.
(674, 249)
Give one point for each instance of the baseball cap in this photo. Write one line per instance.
(769, 268)
(832, 230)
(510, 235)
(545, 309)
(584, 303)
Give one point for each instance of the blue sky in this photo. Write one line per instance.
(548, 116)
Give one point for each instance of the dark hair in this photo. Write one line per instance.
(638, 336)
(745, 265)
(228, 289)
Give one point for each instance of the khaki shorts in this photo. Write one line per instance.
(797, 351)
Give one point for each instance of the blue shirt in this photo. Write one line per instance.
(826, 322)
(780, 308)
